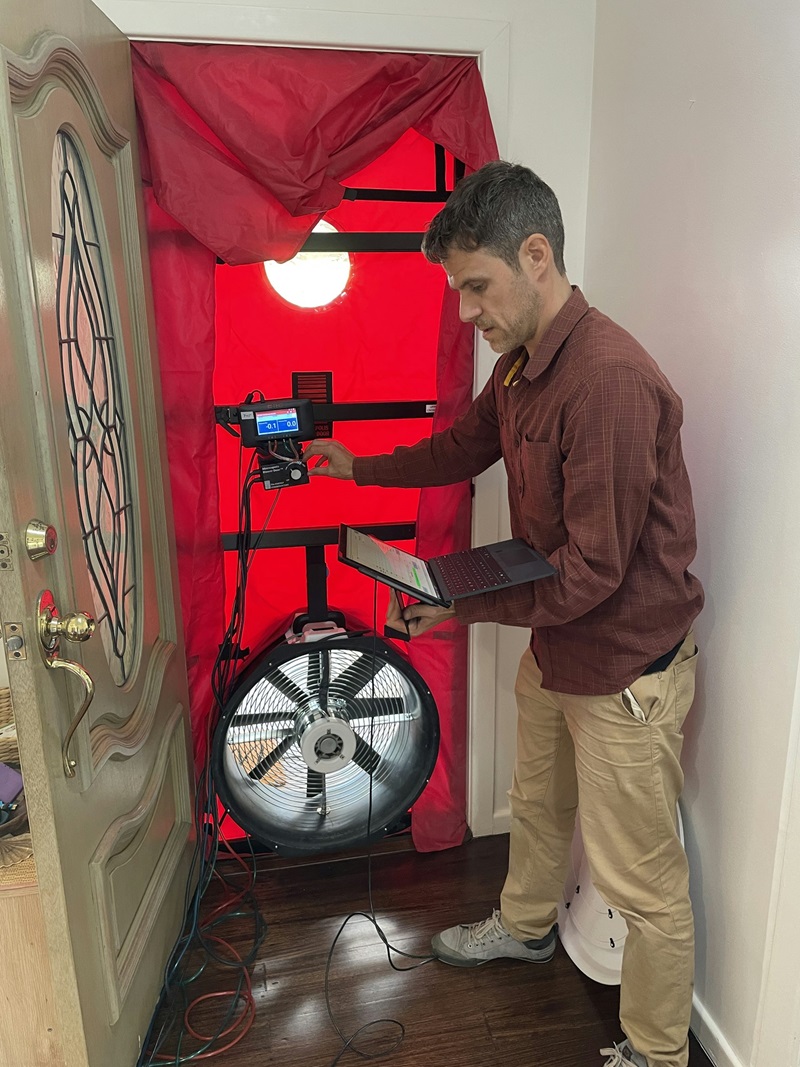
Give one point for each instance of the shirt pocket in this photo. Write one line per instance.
(541, 482)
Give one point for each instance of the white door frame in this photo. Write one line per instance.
(489, 41)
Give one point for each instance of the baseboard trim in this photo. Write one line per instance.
(711, 1038)
(501, 821)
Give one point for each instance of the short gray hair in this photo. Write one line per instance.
(496, 209)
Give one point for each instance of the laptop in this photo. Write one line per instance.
(442, 579)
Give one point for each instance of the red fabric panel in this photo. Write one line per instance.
(440, 656)
(261, 340)
(183, 294)
(245, 148)
(200, 184)
(283, 126)
(410, 359)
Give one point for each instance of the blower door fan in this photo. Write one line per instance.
(306, 730)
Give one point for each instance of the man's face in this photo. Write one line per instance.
(503, 303)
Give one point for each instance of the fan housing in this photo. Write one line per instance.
(325, 745)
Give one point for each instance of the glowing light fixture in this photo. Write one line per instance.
(311, 279)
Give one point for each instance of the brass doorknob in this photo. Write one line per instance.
(76, 626)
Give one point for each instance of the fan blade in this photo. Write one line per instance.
(268, 762)
(352, 679)
(285, 685)
(380, 708)
(315, 783)
(366, 756)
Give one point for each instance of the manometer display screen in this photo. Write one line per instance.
(281, 423)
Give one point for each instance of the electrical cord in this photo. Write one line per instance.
(348, 1043)
(199, 937)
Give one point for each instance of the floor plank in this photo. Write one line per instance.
(511, 1013)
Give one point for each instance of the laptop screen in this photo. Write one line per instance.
(392, 562)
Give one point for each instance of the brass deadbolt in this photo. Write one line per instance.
(40, 539)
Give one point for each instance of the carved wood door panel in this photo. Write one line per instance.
(102, 723)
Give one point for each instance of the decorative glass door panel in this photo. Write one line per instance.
(96, 404)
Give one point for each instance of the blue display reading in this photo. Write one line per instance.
(276, 423)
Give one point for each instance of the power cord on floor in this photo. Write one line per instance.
(348, 1043)
(199, 936)
(200, 943)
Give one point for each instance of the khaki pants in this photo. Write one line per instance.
(627, 776)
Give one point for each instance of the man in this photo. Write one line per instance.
(589, 430)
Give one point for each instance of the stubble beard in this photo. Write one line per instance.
(525, 323)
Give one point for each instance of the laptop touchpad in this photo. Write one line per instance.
(513, 555)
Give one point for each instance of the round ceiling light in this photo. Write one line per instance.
(311, 279)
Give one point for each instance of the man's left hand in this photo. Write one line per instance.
(418, 617)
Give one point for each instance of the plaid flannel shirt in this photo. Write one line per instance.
(589, 431)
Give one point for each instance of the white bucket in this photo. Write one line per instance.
(592, 933)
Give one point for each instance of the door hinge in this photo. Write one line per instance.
(14, 637)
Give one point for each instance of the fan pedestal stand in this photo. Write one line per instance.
(317, 592)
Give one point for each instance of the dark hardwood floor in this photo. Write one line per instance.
(508, 1013)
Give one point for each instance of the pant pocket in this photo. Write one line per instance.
(632, 706)
(684, 676)
(644, 698)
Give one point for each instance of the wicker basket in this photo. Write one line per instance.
(14, 850)
(9, 750)
(6, 714)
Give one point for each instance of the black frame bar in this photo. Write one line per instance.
(318, 536)
(399, 196)
(375, 411)
(228, 414)
(399, 241)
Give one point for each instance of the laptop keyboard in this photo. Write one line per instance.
(470, 571)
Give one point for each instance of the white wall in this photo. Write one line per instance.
(693, 243)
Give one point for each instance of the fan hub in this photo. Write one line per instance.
(327, 743)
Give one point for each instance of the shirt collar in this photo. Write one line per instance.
(556, 334)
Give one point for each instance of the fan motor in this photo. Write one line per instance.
(327, 743)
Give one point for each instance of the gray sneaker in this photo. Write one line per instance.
(470, 946)
(623, 1055)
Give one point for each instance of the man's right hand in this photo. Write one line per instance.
(336, 462)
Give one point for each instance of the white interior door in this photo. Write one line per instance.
(107, 779)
